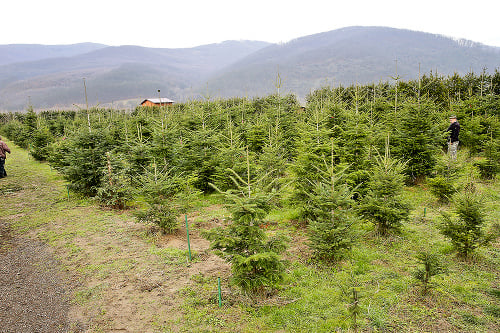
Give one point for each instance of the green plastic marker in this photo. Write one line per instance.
(187, 231)
(220, 297)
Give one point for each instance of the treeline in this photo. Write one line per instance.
(443, 91)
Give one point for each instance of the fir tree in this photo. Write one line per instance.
(444, 183)
(40, 144)
(313, 148)
(84, 161)
(29, 127)
(383, 203)
(418, 141)
(489, 165)
(466, 230)
(331, 217)
(114, 192)
(256, 264)
(330, 228)
(431, 266)
(159, 187)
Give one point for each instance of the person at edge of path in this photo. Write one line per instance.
(454, 130)
(3, 150)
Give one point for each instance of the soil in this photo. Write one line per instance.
(32, 296)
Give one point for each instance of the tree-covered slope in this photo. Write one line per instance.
(352, 55)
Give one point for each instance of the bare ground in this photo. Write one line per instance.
(33, 298)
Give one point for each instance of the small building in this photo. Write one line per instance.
(157, 102)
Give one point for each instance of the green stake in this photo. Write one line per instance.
(425, 211)
(187, 231)
(220, 297)
(67, 188)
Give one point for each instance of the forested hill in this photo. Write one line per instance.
(234, 68)
(353, 55)
(111, 72)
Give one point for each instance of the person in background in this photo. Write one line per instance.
(454, 130)
(3, 150)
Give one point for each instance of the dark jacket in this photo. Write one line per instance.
(3, 149)
(454, 130)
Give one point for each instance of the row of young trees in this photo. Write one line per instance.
(344, 157)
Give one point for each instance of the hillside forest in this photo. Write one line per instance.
(340, 164)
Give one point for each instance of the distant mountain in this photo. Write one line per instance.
(350, 55)
(115, 73)
(52, 76)
(13, 53)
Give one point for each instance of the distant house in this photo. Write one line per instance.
(157, 102)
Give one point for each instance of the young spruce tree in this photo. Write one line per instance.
(418, 141)
(331, 219)
(255, 260)
(445, 181)
(431, 265)
(384, 204)
(466, 230)
(114, 191)
(158, 189)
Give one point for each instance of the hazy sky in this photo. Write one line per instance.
(187, 23)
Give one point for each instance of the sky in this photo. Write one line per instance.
(188, 23)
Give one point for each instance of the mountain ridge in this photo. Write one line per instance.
(355, 55)
(234, 68)
(182, 67)
(12, 53)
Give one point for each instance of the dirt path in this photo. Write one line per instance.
(32, 296)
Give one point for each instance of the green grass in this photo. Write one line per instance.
(380, 268)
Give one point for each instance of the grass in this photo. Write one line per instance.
(125, 276)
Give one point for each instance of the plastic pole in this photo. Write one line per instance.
(220, 297)
(187, 231)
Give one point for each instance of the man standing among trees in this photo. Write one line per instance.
(454, 130)
(3, 150)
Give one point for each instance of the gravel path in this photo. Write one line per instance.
(32, 297)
